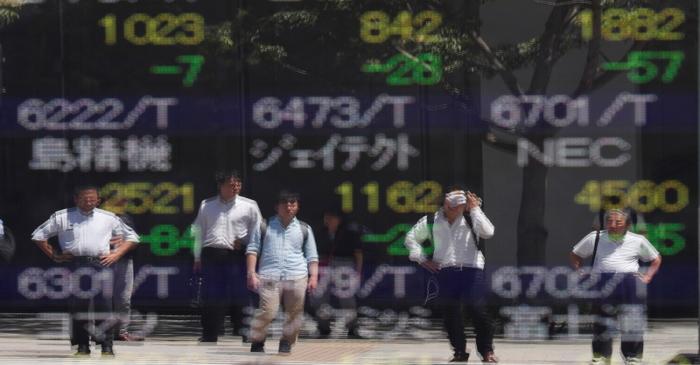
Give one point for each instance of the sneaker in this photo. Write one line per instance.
(83, 350)
(460, 356)
(257, 347)
(490, 358)
(600, 360)
(107, 350)
(285, 348)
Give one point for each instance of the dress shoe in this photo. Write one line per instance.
(490, 358)
(257, 347)
(107, 350)
(83, 350)
(460, 356)
(285, 348)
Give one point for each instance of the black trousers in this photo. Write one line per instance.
(223, 290)
(87, 295)
(461, 288)
(619, 299)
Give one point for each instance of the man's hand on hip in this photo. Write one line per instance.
(431, 266)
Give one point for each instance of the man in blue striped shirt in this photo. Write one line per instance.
(288, 268)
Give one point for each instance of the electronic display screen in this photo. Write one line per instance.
(549, 113)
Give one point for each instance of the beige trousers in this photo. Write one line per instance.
(291, 293)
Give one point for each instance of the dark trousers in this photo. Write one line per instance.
(619, 300)
(322, 304)
(224, 280)
(90, 297)
(460, 288)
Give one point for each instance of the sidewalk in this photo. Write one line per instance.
(663, 341)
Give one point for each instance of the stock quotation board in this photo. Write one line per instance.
(550, 111)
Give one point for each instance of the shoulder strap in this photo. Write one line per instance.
(304, 231)
(431, 222)
(477, 240)
(479, 244)
(601, 215)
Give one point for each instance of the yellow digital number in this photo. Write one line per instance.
(145, 197)
(405, 197)
(644, 196)
(377, 26)
(641, 24)
(164, 29)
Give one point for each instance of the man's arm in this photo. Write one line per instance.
(252, 280)
(311, 255)
(419, 233)
(48, 250)
(576, 261)
(198, 234)
(359, 258)
(482, 225)
(119, 251)
(651, 271)
(124, 240)
(313, 276)
(41, 236)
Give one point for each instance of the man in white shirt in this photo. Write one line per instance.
(458, 264)
(222, 229)
(84, 235)
(620, 284)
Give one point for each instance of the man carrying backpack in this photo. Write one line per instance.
(458, 265)
(288, 268)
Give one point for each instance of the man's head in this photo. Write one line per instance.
(616, 222)
(86, 198)
(287, 205)
(229, 183)
(455, 201)
(333, 216)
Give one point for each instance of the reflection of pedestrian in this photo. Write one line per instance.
(345, 270)
(123, 279)
(458, 263)
(7, 243)
(288, 262)
(616, 253)
(84, 234)
(222, 228)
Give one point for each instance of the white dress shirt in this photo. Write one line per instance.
(617, 256)
(219, 224)
(454, 243)
(81, 234)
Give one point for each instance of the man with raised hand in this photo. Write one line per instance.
(458, 266)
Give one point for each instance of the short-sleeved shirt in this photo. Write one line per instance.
(283, 254)
(454, 243)
(81, 234)
(219, 224)
(346, 241)
(617, 256)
